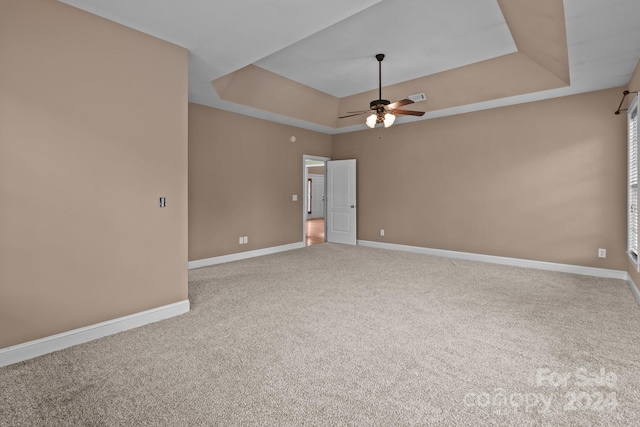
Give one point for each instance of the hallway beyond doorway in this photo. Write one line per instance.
(314, 231)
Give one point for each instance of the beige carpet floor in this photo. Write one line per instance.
(340, 335)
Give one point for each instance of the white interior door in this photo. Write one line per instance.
(341, 201)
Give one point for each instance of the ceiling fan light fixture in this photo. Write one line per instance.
(383, 112)
(372, 120)
(389, 119)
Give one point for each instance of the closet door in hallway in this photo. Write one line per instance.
(316, 196)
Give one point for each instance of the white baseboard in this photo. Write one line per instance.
(39, 347)
(243, 255)
(634, 289)
(540, 265)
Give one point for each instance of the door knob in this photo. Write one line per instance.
(353, 206)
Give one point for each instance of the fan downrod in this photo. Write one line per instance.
(379, 103)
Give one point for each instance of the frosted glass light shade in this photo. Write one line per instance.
(389, 119)
(371, 120)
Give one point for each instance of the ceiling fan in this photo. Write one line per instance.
(382, 110)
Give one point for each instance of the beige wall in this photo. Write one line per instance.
(93, 129)
(318, 170)
(541, 181)
(242, 174)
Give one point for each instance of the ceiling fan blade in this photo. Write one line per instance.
(354, 114)
(399, 103)
(408, 113)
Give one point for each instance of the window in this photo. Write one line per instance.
(632, 183)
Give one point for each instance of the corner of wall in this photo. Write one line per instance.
(634, 82)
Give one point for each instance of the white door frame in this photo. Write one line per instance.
(305, 178)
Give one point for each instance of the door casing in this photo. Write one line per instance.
(305, 177)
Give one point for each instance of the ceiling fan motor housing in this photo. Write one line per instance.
(379, 104)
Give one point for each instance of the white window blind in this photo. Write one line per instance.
(632, 181)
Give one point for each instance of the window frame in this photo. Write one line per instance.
(633, 164)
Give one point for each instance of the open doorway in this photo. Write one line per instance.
(314, 206)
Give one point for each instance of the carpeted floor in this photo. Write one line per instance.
(341, 335)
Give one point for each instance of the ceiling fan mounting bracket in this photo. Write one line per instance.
(380, 57)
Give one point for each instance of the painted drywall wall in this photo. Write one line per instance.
(541, 181)
(243, 173)
(93, 124)
(318, 170)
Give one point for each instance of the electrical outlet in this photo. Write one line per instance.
(245, 239)
(241, 240)
(294, 198)
(381, 232)
(602, 253)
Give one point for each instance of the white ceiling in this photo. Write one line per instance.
(340, 60)
(330, 45)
